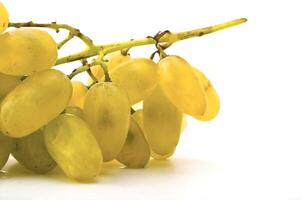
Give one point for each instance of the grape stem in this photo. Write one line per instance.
(165, 40)
(168, 39)
(72, 31)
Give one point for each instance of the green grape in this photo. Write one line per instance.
(213, 104)
(35, 102)
(4, 17)
(162, 123)
(6, 146)
(138, 77)
(78, 94)
(113, 60)
(135, 152)
(31, 152)
(182, 86)
(7, 84)
(75, 111)
(107, 112)
(72, 145)
(25, 51)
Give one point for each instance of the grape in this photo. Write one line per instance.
(213, 104)
(31, 152)
(33, 103)
(107, 112)
(138, 117)
(113, 60)
(75, 111)
(6, 146)
(162, 157)
(25, 51)
(7, 84)
(72, 145)
(137, 77)
(162, 123)
(182, 86)
(3, 18)
(78, 94)
(135, 152)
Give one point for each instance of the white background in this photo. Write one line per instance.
(250, 151)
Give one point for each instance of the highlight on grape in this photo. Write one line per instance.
(48, 120)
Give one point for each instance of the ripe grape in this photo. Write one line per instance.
(113, 60)
(75, 111)
(213, 104)
(25, 51)
(6, 146)
(137, 77)
(3, 18)
(135, 152)
(78, 94)
(162, 123)
(31, 152)
(33, 103)
(138, 117)
(7, 84)
(107, 112)
(72, 145)
(182, 86)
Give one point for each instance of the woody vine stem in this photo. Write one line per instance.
(165, 40)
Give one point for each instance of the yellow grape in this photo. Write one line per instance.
(31, 152)
(137, 77)
(162, 123)
(182, 86)
(7, 84)
(213, 103)
(25, 51)
(72, 145)
(138, 117)
(78, 94)
(184, 123)
(6, 146)
(75, 111)
(135, 152)
(113, 60)
(35, 102)
(162, 157)
(107, 112)
(4, 18)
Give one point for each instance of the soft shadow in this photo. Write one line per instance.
(15, 170)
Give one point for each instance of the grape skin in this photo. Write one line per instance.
(107, 112)
(7, 84)
(31, 152)
(138, 77)
(75, 111)
(4, 18)
(6, 147)
(78, 94)
(213, 102)
(113, 60)
(35, 102)
(135, 152)
(26, 50)
(72, 145)
(182, 86)
(162, 123)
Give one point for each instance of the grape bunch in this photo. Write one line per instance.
(48, 120)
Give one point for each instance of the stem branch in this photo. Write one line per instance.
(73, 31)
(168, 39)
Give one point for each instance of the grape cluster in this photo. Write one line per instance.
(48, 120)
